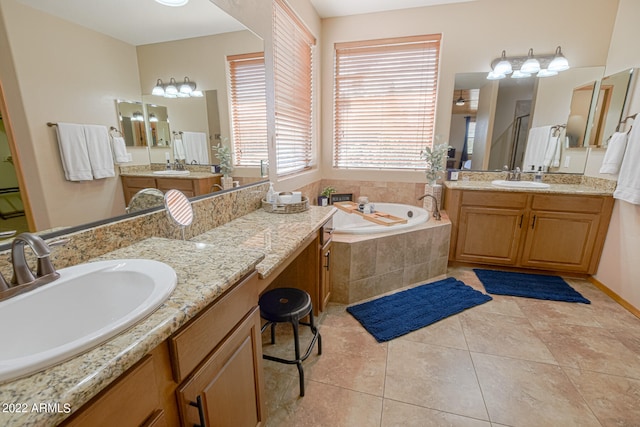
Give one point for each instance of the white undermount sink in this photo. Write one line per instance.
(519, 184)
(86, 306)
(171, 173)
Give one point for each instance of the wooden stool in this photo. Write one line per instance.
(289, 305)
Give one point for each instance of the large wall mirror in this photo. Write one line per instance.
(141, 46)
(492, 121)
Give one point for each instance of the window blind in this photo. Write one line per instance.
(385, 100)
(293, 65)
(247, 93)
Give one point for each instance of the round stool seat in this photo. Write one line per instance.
(284, 304)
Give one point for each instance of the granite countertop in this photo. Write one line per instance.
(192, 175)
(206, 266)
(278, 235)
(555, 188)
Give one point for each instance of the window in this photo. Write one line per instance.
(385, 100)
(248, 108)
(471, 133)
(293, 60)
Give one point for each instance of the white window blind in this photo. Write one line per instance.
(293, 60)
(248, 108)
(385, 100)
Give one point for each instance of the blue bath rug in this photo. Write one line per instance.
(398, 314)
(538, 286)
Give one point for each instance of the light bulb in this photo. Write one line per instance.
(171, 88)
(531, 65)
(559, 62)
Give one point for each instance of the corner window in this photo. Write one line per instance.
(293, 69)
(385, 101)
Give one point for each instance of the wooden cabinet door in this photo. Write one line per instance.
(227, 389)
(489, 235)
(560, 240)
(325, 276)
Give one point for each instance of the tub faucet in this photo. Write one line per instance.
(22, 274)
(436, 211)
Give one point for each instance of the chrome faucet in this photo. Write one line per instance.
(22, 274)
(436, 211)
(178, 165)
(513, 175)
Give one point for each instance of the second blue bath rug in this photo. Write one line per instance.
(539, 286)
(398, 314)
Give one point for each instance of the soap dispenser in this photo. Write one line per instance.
(538, 176)
(271, 194)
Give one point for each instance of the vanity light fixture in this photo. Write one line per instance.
(137, 116)
(153, 118)
(526, 66)
(173, 89)
(174, 3)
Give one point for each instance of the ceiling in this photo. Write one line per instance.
(139, 22)
(330, 8)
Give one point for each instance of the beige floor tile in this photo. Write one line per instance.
(326, 405)
(591, 349)
(503, 336)
(614, 400)
(398, 414)
(545, 314)
(434, 377)
(446, 332)
(523, 393)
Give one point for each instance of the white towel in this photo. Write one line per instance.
(99, 150)
(536, 148)
(119, 148)
(195, 146)
(74, 152)
(614, 154)
(178, 149)
(553, 152)
(628, 188)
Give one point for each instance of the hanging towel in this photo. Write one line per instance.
(553, 152)
(536, 148)
(74, 152)
(628, 188)
(195, 146)
(614, 154)
(99, 150)
(119, 148)
(178, 149)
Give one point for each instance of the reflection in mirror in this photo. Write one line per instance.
(146, 198)
(610, 106)
(157, 121)
(496, 123)
(580, 115)
(131, 118)
(179, 209)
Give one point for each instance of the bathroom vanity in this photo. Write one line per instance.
(561, 228)
(194, 184)
(198, 356)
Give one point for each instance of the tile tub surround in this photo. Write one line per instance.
(204, 273)
(209, 212)
(364, 266)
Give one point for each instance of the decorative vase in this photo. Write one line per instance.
(436, 191)
(227, 182)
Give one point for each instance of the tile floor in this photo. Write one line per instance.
(509, 362)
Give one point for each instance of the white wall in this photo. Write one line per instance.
(54, 71)
(619, 269)
(474, 33)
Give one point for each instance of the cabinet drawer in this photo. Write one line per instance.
(139, 182)
(178, 184)
(497, 199)
(130, 401)
(583, 204)
(194, 341)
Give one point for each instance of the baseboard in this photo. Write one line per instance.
(617, 298)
